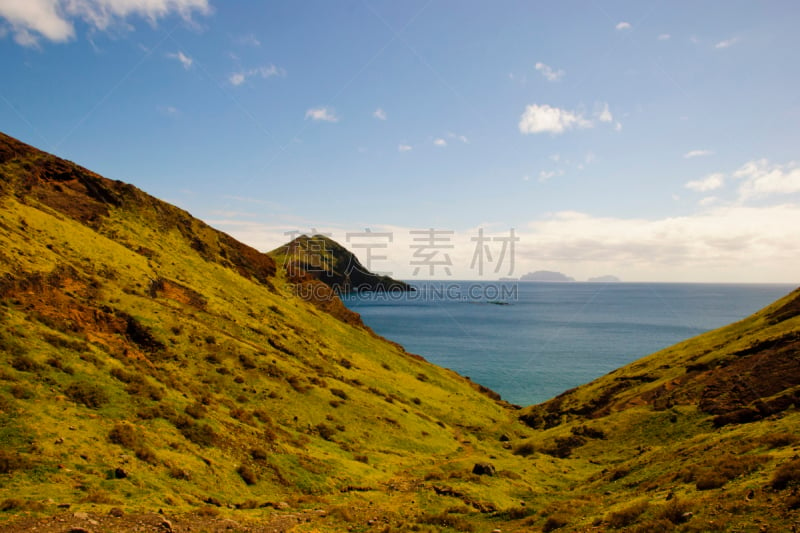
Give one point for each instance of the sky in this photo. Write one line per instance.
(651, 140)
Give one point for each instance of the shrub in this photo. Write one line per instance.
(23, 363)
(143, 453)
(675, 511)
(258, 454)
(325, 431)
(346, 363)
(626, 517)
(525, 449)
(21, 393)
(726, 468)
(196, 410)
(124, 435)
(11, 504)
(200, 434)
(179, 473)
(710, 480)
(339, 393)
(87, 394)
(518, 513)
(362, 459)
(787, 474)
(563, 446)
(247, 362)
(554, 522)
(779, 440)
(446, 520)
(247, 475)
(11, 461)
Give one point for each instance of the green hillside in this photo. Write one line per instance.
(150, 362)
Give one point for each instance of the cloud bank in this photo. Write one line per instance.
(54, 20)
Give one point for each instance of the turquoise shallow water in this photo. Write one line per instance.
(531, 341)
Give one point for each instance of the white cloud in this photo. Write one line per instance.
(697, 153)
(324, 114)
(664, 37)
(545, 175)
(185, 60)
(238, 78)
(380, 114)
(726, 43)
(548, 73)
(461, 138)
(623, 26)
(603, 114)
(723, 243)
(248, 40)
(762, 178)
(708, 200)
(440, 142)
(54, 20)
(404, 148)
(709, 183)
(618, 126)
(543, 118)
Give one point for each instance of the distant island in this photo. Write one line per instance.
(545, 275)
(604, 279)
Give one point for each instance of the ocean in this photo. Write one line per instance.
(530, 341)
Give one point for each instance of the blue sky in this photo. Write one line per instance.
(651, 140)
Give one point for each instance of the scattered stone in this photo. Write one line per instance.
(59, 440)
(166, 525)
(64, 505)
(80, 515)
(213, 501)
(120, 473)
(504, 438)
(116, 512)
(483, 469)
(78, 530)
(93, 522)
(282, 506)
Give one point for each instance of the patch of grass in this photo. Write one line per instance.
(787, 475)
(627, 516)
(725, 468)
(12, 461)
(24, 363)
(779, 440)
(446, 520)
(675, 511)
(554, 522)
(88, 394)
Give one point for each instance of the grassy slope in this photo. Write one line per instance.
(325, 405)
(139, 338)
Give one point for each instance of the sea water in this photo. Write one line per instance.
(530, 341)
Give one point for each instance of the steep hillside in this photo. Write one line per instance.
(149, 361)
(157, 375)
(711, 423)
